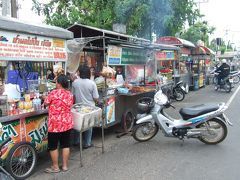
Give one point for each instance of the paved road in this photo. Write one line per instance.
(162, 158)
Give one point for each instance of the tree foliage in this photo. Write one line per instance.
(198, 31)
(142, 17)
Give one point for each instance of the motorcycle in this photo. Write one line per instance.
(235, 76)
(225, 84)
(179, 91)
(206, 122)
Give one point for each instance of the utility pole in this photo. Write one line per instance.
(9, 8)
(14, 8)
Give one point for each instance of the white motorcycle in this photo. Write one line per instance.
(207, 122)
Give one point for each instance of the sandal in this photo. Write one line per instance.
(64, 169)
(51, 170)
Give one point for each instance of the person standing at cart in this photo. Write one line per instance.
(85, 92)
(60, 123)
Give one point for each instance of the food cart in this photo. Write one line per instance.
(201, 61)
(103, 48)
(183, 70)
(166, 57)
(26, 52)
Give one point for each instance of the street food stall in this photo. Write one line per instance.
(166, 57)
(26, 52)
(201, 61)
(183, 65)
(111, 52)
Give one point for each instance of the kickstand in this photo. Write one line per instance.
(122, 134)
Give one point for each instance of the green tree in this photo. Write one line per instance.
(198, 31)
(142, 17)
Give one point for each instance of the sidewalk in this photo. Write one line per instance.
(91, 156)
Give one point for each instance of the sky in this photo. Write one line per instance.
(222, 14)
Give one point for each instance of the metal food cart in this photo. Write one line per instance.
(201, 60)
(183, 70)
(32, 49)
(109, 48)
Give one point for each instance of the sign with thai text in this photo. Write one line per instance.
(32, 130)
(27, 47)
(165, 55)
(133, 56)
(125, 56)
(114, 55)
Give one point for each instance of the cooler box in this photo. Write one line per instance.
(85, 116)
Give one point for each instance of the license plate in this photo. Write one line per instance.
(231, 80)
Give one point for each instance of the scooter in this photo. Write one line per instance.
(206, 122)
(225, 84)
(179, 91)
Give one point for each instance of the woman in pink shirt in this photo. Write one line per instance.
(60, 123)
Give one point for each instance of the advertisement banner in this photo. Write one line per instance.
(133, 56)
(26, 47)
(110, 110)
(114, 55)
(32, 130)
(165, 55)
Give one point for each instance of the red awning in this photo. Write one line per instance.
(202, 50)
(170, 40)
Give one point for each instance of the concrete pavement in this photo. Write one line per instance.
(160, 158)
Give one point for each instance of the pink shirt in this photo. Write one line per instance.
(60, 117)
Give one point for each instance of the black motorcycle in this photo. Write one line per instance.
(225, 84)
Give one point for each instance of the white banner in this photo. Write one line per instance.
(27, 47)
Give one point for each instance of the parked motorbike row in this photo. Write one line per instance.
(205, 122)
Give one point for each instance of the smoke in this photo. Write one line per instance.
(153, 21)
(123, 9)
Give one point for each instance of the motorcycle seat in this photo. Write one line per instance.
(194, 111)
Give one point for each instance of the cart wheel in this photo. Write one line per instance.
(21, 160)
(128, 121)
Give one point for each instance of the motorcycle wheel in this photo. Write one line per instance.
(215, 80)
(216, 131)
(236, 79)
(178, 94)
(145, 131)
(228, 87)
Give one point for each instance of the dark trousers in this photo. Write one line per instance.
(220, 78)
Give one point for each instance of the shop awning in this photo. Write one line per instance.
(170, 40)
(202, 50)
(82, 31)
(15, 25)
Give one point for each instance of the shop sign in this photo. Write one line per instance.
(185, 51)
(124, 56)
(27, 47)
(165, 55)
(32, 129)
(110, 110)
(133, 56)
(114, 55)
